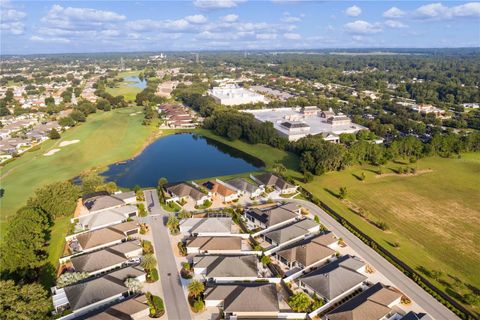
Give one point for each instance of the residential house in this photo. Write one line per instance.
(255, 300)
(334, 280)
(92, 240)
(135, 308)
(105, 218)
(375, 303)
(102, 200)
(106, 259)
(221, 268)
(290, 233)
(184, 191)
(308, 253)
(86, 296)
(415, 316)
(244, 187)
(272, 217)
(221, 191)
(214, 245)
(207, 226)
(274, 181)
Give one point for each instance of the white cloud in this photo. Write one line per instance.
(266, 36)
(292, 36)
(471, 9)
(353, 11)
(11, 20)
(437, 11)
(58, 12)
(49, 39)
(198, 18)
(362, 27)
(148, 25)
(216, 4)
(291, 19)
(395, 24)
(394, 13)
(229, 18)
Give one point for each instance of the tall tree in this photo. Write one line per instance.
(25, 302)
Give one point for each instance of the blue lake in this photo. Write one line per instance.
(135, 82)
(181, 157)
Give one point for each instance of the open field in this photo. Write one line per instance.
(123, 89)
(434, 216)
(105, 138)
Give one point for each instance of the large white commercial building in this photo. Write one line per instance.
(232, 95)
(296, 123)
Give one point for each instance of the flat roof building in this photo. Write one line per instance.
(296, 123)
(232, 95)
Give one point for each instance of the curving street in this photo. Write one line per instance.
(434, 308)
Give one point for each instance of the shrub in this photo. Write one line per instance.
(141, 210)
(300, 302)
(147, 247)
(265, 260)
(182, 248)
(152, 275)
(198, 305)
(157, 308)
(70, 278)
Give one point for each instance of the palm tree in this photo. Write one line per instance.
(148, 262)
(195, 288)
(133, 285)
(161, 184)
(173, 224)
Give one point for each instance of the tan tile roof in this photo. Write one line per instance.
(216, 243)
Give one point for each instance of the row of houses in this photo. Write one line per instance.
(229, 190)
(176, 116)
(104, 246)
(310, 259)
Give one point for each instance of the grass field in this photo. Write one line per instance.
(434, 216)
(105, 138)
(123, 88)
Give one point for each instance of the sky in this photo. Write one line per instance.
(29, 27)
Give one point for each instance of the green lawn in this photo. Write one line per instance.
(434, 216)
(124, 89)
(105, 138)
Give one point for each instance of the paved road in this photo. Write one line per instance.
(434, 308)
(175, 300)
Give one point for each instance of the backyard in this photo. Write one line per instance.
(431, 217)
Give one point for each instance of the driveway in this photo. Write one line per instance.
(434, 308)
(174, 297)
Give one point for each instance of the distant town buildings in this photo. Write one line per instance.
(296, 123)
(232, 95)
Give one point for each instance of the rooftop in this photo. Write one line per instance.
(86, 293)
(245, 297)
(98, 260)
(291, 231)
(371, 304)
(206, 225)
(228, 266)
(102, 236)
(332, 280)
(216, 243)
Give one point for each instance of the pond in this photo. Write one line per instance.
(135, 81)
(181, 157)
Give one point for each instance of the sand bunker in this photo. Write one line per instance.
(51, 152)
(66, 143)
